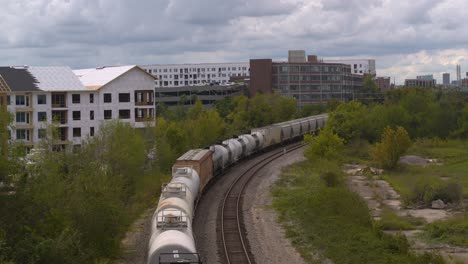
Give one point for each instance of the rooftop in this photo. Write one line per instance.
(96, 78)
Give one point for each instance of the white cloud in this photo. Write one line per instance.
(406, 38)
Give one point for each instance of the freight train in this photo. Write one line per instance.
(172, 239)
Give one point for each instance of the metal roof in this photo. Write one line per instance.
(95, 78)
(56, 78)
(194, 154)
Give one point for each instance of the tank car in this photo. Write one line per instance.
(220, 158)
(188, 177)
(235, 148)
(249, 144)
(271, 134)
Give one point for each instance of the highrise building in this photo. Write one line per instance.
(446, 78)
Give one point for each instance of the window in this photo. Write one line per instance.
(22, 117)
(41, 99)
(76, 115)
(41, 116)
(124, 114)
(77, 132)
(124, 97)
(107, 98)
(20, 100)
(91, 98)
(76, 98)
(91, 131)
(91, 115)
(41, 133)
(107, 114)
(22, 134)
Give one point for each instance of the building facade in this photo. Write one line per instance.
(358, 66)
(207, 94)
(446, 78)
(41, 96)
(426, 83)
(308, 80)
(384, 83)
(178, 75)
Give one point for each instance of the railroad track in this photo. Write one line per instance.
(233, 236)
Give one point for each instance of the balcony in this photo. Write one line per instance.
(60, 117)
(59, 100)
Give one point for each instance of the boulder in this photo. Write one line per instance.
(438, 204)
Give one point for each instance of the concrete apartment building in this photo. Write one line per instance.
(305, 78)
(76, 102)
(177, 75)
(446, 78)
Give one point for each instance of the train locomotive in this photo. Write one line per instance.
(172, 238)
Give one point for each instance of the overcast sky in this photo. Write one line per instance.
(406, 38)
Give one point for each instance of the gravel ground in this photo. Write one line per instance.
(266, 237)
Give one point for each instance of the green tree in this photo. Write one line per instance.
(394, 143)
(347, 121)
(5, 120)
(327, 145)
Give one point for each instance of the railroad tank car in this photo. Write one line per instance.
(177, 190)
(259, 140)
(187, 176)
(236, 149)
(201, 160)
(250, 144)
(173, 246)
(220, 157)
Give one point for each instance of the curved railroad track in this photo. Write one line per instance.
(233, 235)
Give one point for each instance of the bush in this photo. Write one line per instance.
(327, 145)
(426, 191)
(394, 144)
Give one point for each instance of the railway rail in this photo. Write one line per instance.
(234, 239)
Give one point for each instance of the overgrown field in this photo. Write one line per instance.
(453, 168)
(328, 219)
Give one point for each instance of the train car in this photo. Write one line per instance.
(271, 134)
(249, 144)
(296, 129)
(187, 176)
(286, 132)
(259, 140)
(236, 149)
(201, 160)
(305, 126)
(173, 246)
(221, 158)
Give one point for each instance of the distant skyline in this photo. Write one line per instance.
(406, 39)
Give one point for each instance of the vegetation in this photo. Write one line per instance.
(453, 231)
(334, 221)
(391, 221)
(75, 206)
(393, 145)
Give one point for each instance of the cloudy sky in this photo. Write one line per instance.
(407, 38)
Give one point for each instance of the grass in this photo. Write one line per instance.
(453, 154)
(453, 231)
(334, 221)
(391, 221)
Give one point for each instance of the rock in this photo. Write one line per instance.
(438, 204)
(376, 171)
(413, 160)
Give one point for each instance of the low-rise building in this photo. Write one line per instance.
(358, 66)
(309, 80)
(420, 82)
(178, 75)
(75, 102)
(384, 83)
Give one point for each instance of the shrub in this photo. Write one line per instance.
(326, 146)
(394, 144)
(426, 191)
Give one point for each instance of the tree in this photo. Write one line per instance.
(5, 120)
(347, 121)
(327, 145)
(394, 143)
